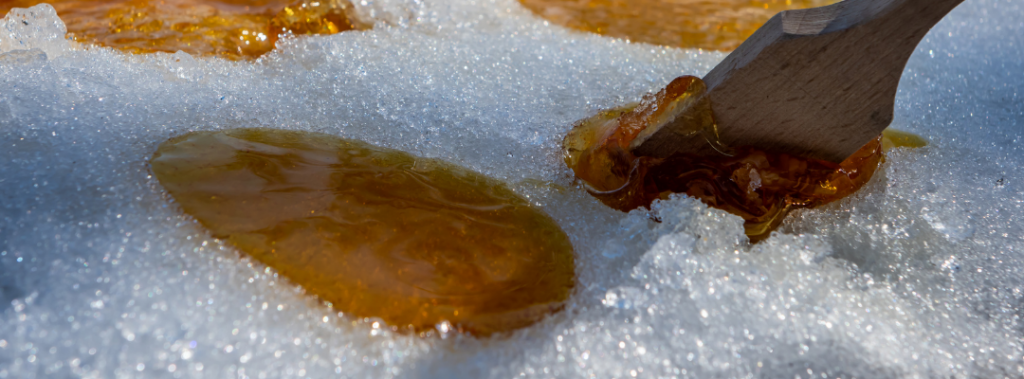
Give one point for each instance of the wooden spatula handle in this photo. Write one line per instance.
(815, 82)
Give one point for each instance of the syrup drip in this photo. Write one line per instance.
(759, 186)
(705, 24)
(373, 231)
(231, 29)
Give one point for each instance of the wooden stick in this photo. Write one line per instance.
(817, 82)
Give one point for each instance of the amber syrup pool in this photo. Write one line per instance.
(233, 29)
(703, 24)
(759, 186)
(374, 232)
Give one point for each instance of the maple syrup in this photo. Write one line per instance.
(705, 24)
(376, 232)
(759, 186)
(232, 29)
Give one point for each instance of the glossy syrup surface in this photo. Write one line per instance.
(232, 29)
(373, 231)
(757, 185)
(706, 24)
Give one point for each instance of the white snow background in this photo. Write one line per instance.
(919, 274)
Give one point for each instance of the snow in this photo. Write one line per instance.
(101, 275)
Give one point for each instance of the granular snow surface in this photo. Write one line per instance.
(919, 274)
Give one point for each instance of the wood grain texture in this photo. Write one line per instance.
(816, 82)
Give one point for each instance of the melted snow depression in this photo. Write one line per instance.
(919, 274)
